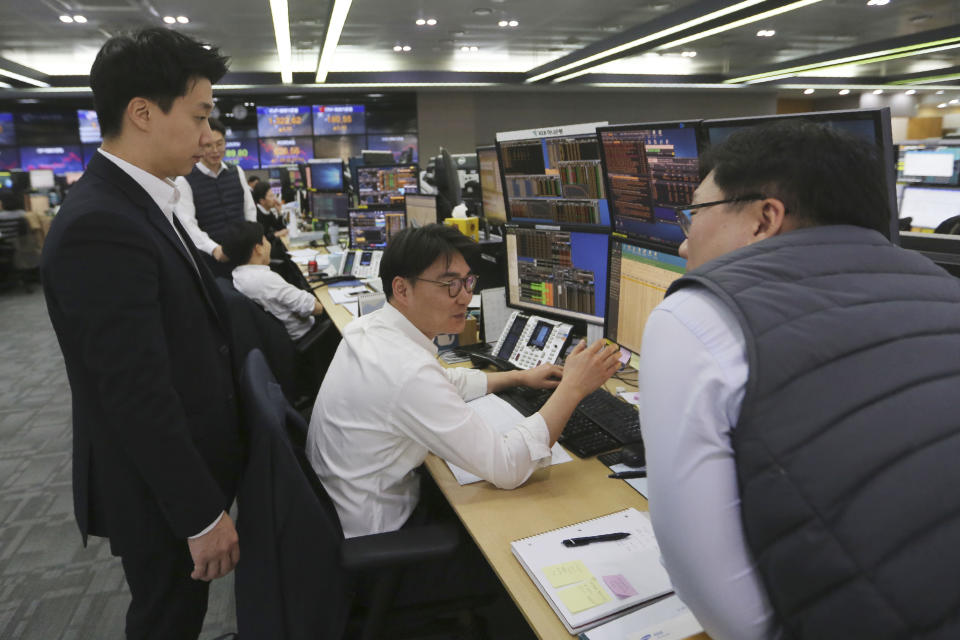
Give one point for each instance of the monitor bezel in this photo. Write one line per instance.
(367, 210)
(421, 195)
(327, 161)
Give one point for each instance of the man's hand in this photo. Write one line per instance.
(586, 368)
(216, 552)
(219, 255)
(544, 376)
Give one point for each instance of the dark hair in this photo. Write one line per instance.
(253, 179)
(822, 175)
(216, 125)
(260, 191)
(157, 64)
(240, 239)
(10, 200)
(413, 250)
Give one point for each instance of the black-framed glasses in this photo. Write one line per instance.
(685, 214)
(454, 286)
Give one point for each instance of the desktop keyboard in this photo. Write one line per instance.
(601, 422)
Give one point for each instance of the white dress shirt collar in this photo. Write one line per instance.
(163, 191)
(204, 169)
(388, 314)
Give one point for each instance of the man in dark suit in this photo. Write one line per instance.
(143, 331)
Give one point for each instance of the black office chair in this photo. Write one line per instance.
(297, 574)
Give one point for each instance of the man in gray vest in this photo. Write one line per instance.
(213, 195)
(799, 402)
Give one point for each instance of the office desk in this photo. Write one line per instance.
(554, 497)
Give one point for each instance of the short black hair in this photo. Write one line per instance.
(260, 191)
(823, 175)
(216, 125)
(239, 240)
(413, 250)
(157, 64)
(252, 179)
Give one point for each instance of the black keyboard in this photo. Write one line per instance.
(601, 422)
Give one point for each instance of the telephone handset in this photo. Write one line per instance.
(361, 263)
(529, 340)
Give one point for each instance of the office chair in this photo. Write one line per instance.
(297, 575)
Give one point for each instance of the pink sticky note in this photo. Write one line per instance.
(620, 587)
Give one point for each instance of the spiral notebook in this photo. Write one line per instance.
(588, 585)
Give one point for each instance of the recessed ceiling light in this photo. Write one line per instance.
(942, 105)
(910, 92)
(940, 92)
(514, 23)
(877, 92)
(431, 22)
(955, 101)
(688, 54)
(766, 33)
(421, 22)
(406, 48)
(80, 19)
(808, 91)
(503, 23)
(67, 19)
(464, 48)
(169, 19)
(397, 48)
(844, 92)
(877, 3)
(183, 19)
(207, 47)
(482, 11)
(474, 49)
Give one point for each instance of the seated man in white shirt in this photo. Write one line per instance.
(248, 247)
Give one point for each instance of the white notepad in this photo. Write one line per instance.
(591, 584)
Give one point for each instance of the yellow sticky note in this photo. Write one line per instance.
(560, 575)
(583, 596)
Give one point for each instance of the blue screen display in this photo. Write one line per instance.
(9, 158)
(7, 131)
(326, 176)
(89, 125)
(283, 121)
(339, 119)
(280, 151)
(59, 158)
(245, 153)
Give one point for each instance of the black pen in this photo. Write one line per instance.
(627, 475)
(606, 537)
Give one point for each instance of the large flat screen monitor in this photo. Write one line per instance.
(42, 179)
(930, 207)
(386, 184)
(649, 169)
(421, 209)
(869, 124)
(329, 206)
(325, 175)
(373, 228)
(491, 186)
(552, 176)
(559, 273)
(929, 164)
(639, 278)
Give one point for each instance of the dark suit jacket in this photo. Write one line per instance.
(156, 442)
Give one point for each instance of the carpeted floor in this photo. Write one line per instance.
(50, 585)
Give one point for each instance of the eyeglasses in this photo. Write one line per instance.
(685, 214)
(219, 144)
(454, 286)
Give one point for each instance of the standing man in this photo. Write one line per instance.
(141, 324)
(212, 195)
(799, 405)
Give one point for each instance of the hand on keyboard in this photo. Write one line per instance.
(586, 368)
(544, 376)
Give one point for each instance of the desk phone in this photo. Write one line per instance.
(529, 340)
(361, 263)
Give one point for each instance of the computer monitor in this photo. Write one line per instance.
(421, 209)
(373, 228)
(42, 179)
(386, 184)
(553, 176)
(942, 249)
(929, 164)
(375, 156)
(325, 175)
(639, 278)
(649, 169)
(329, 206)
(6, 180)
(491, 186)
(562, 273)
(929, 207)
(872, 125)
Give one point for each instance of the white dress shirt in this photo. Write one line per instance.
(385, 403)
(693, 373)
(187, 211)
(292, 306)
(164, 192)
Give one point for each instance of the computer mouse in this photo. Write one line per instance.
(633, 455)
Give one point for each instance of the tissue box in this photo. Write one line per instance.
(469, 227)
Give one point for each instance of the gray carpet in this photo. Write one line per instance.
(50, 585)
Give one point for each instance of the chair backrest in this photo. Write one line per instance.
(289, 583)
(254, 327)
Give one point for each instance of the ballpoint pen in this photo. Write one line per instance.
(627, 475)
(606, 537)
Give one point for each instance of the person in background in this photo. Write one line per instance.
(142, 327)
(268, 210)
(799, 406)
(212, 195)
(252, 181)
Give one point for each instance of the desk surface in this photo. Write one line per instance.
(553, 497)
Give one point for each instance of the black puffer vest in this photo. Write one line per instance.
(218, 201)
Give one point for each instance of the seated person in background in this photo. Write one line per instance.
(252, 181)
(249, 249)
(386, 401)
(799, 405)
(268, 210)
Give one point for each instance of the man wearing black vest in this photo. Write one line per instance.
(144, 334)
(799, 411)
(213, 195)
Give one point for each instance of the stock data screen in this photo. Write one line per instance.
(283, 121)
(244, 152)
(278, 151)
(339, 119)
(60, 159)
(9, 158)
(7, 131)
(649, 171)
(89, 125)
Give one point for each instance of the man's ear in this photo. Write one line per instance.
(401, 288)
(770, 219)
(139, 112)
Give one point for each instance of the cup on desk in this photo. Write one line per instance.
(334, 232)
